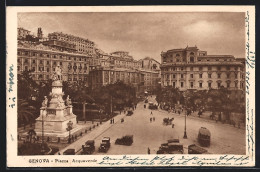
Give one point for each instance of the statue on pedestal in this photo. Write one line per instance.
(68, 101)
(45, 102)
(57, 74)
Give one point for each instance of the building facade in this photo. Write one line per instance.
(190, 68)
(81, 45)
(152, 73)
(42, 60)
(22, 33)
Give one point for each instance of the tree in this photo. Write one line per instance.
(31, 133)
(25, 112)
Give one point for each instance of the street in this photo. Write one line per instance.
(225, 139)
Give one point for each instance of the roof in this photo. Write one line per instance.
(204, 131)
(217, 56)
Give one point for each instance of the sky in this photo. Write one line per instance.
(147, 34)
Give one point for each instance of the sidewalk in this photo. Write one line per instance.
(77, 145)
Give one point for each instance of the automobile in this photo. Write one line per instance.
(204, 136)
(104, 145)
(89, 147)
(170, 148)
(69, 152)
(129, 113)
(194, 149)
(173, 141)
(125, 140)
(152, 106)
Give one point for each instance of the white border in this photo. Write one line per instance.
(23, 161)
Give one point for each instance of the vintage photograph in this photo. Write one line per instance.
(106, 84)
(131, 83)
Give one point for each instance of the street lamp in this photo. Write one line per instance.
(43, 149)
(69, 124)
(185, 114)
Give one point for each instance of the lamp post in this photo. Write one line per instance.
(69, 124)
(43, 149)
(185, 114)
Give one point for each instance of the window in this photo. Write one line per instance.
(236, 84)
(228, 75)
(228, 85)
(200, 84)
(48, 69)
(181, 68)
(26, 68)
(219, 68)
(191, 75)
(192, 59)
(219, 75)
(209, 68)
(33, 69)
(40, 61)
(209, 75)
(173, 76)
(167, 76)
(18, 68)
(173, 84)
(191, 68)
(200, 75)
(60, 63)
(47, 62)
(54, 63)
(181, 75)
(219, 85)
(236, 68)
(242, 85)
(209, 84)
(191, 85)
(33, 61)
(181, 84)
(200, 68)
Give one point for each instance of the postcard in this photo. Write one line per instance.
(130, 86)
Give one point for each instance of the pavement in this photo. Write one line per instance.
(225, 139)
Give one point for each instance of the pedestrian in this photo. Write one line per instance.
(59, 153)
(151, 112)
(113, 120)
(179, 112)
(110, 121)
(153, 118)
(150, 119)
(172, 125)
(148, 150)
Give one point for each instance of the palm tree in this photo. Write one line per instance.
(25, 112)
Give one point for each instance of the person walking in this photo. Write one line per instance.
(153, 118)
(148, 150)
(150, 119)
(151, 112)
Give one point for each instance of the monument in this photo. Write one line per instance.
(56, 114)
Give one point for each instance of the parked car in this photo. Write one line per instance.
(129, 113)
(89, 147)
(69, 152)
(104, 145)
(204, 136)
(152, 106)
(171, 148)
(125, 140)
(194, 149)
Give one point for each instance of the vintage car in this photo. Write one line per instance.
(69, 152)
(194, 149)
(125, 140)
(129, 113)
(104, 145)
(152, 106)
(204, 136)
(171, 148)
(89, 147)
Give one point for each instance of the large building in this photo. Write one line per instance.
(81, 45)
(42, 60)
(152, 73)
(190, 68)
